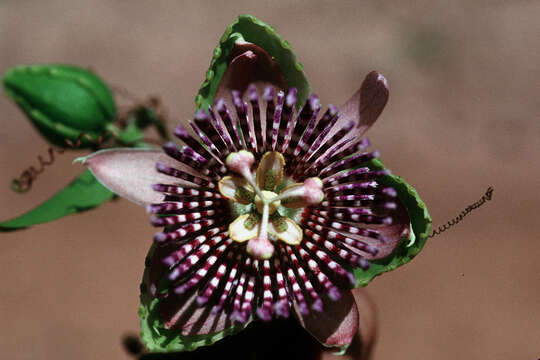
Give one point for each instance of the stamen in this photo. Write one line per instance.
(260, 247)
(310, 192)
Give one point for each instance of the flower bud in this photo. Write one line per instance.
(63, 102)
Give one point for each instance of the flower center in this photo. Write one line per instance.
(269, 197)
(265, 221)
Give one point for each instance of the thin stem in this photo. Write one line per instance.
(294, 192)
(249, 178)
(264, 221)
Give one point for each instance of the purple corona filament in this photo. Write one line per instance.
(337, 232)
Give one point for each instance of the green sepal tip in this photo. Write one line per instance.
(420, 229)
(250, 29)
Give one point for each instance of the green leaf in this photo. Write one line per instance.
(420, 228)
(154, 335)
(62, 101)
(249, 28)
(84, 193)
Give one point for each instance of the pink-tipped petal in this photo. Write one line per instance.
(362, 345)
(365, 106)
(249, 64)
(131, 173)
(336, 325)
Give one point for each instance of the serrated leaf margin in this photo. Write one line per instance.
(250, 29)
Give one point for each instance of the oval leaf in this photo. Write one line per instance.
(83, 193)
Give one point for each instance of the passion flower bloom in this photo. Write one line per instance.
(272, 207)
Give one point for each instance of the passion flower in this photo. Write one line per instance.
(272, 207)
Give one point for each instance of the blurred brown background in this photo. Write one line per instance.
(463, 114)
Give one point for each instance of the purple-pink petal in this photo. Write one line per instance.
(336, 325)
(366, 104)
(249, 64)
(130, 173)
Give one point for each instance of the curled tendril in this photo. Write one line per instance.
(442, 228)
(24, 182)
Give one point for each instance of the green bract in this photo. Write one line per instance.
(249, 28)
(62, 101)
(420, 228)
(156, 337)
